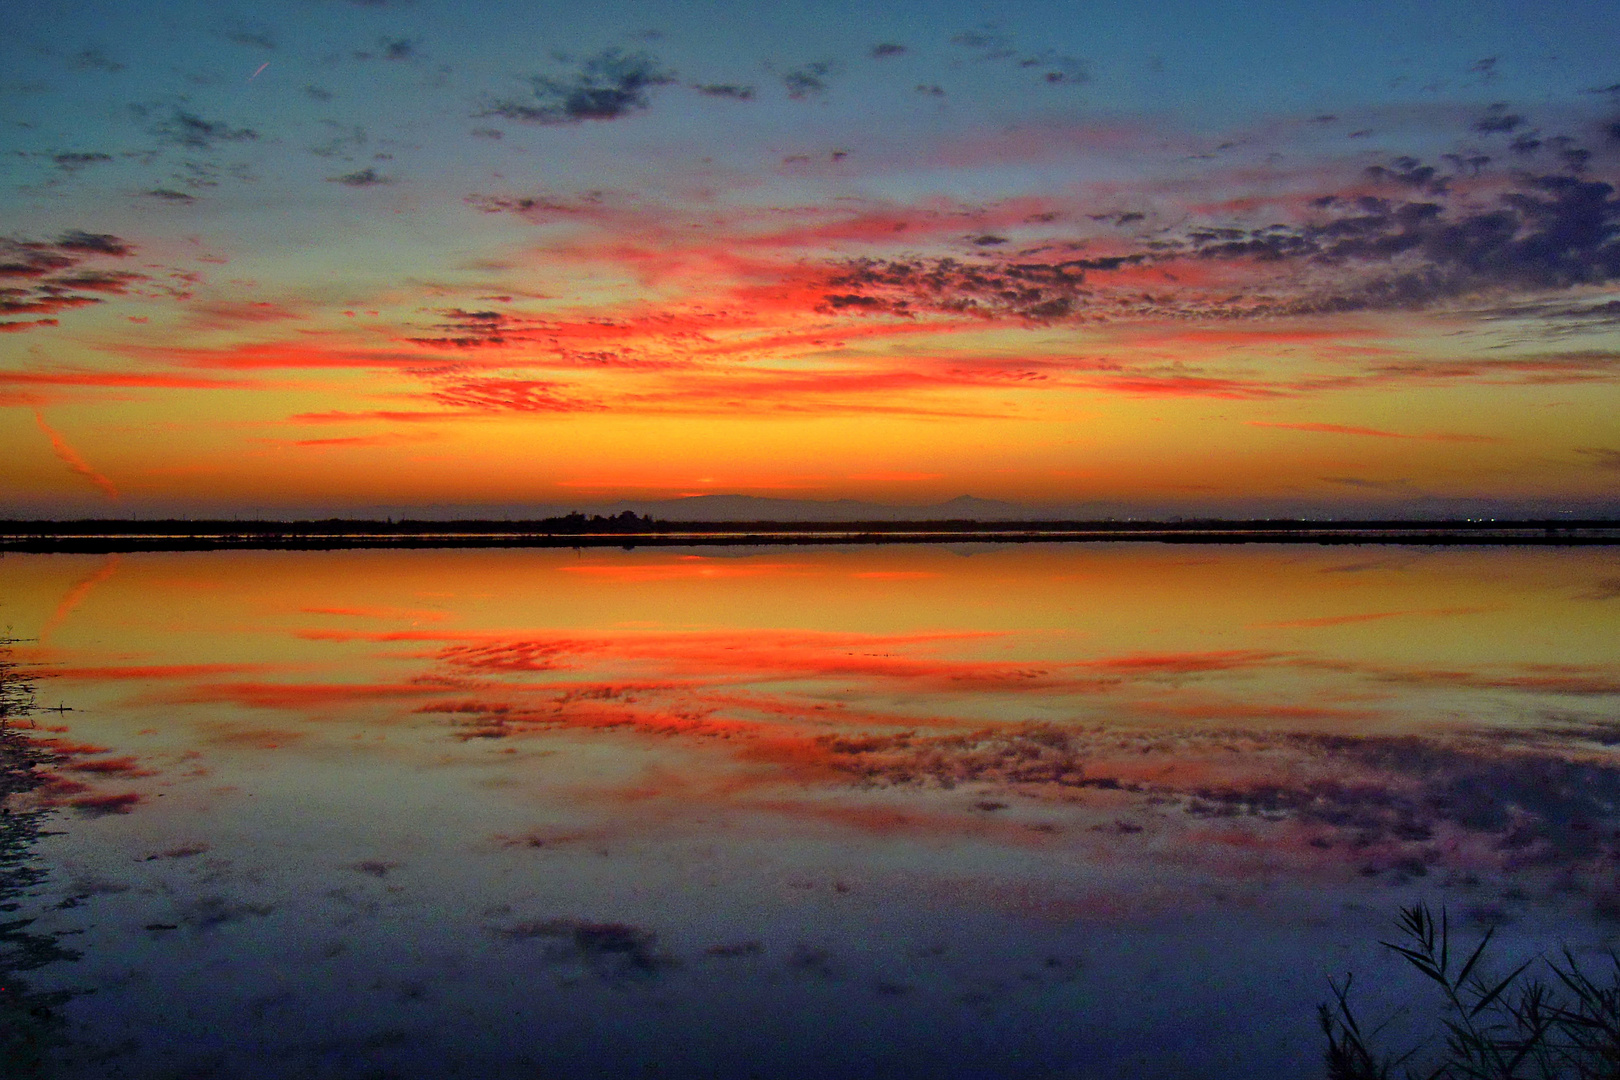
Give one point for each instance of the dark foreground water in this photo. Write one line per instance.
(1039, 811)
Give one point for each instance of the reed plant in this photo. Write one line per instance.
(1544, 1020)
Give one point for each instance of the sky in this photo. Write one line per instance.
(346, 255)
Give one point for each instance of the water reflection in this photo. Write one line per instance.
(30, 1019)
(957, 807)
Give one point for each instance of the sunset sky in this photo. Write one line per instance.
(346, 255)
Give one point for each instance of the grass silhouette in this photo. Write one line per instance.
(1544, 1020)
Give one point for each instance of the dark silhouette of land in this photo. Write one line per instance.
(628, 530)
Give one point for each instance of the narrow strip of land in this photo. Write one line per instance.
(110, 535)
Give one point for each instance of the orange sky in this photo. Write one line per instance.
(963, 263)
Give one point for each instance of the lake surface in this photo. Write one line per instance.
(954, 811)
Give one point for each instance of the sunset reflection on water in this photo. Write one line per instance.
(932, 811)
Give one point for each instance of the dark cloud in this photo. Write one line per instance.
(1469, 163)
(194, 133)
(94, 59)
(1555, 232)
(49, 277)
(607, 86)
(986, 42)
(344, 142)
(1526, 143)
(612, 951)
(14, 301)
(1498, 120)
(1055, 68)
(470, 329)
(94, 243)
(104, 805)
(318, 93)
(38, 259)
(70, 162)
(1032, 754)
(538, 206)
(254, 37)
(1540, 806)
(886, 49)
(735, 950)
(1029, 290)
(207, 174)
(1410, 172)
(105, 281)
(211, 912)
(1410, 242)
(807, 80)
(390, 49)
(1578, 315)
(1523, 802)
(377, 868)
(367, 177)
(726, 90)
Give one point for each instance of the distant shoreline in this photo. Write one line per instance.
(113, 536)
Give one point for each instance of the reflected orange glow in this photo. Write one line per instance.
(1303, 692)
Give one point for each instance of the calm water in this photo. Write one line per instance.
(886, 812)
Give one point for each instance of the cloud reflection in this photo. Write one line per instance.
(1286, 735)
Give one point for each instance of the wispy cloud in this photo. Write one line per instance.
(73, 460)
(1341, 429)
